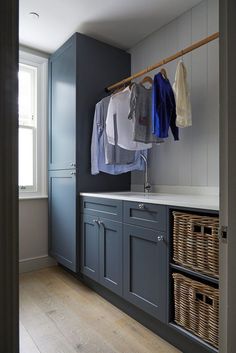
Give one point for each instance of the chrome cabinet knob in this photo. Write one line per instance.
(72, 164)
(141, 206)
(73, 173)
(160, 238)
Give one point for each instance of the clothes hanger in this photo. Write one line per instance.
(147, 79)
(119, 89)
(164, 73)
(131, 84)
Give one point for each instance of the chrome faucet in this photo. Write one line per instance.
(147, 186)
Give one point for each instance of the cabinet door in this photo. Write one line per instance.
(62, 107)
(145, 270)
(90, 247)
(111, 255)
(62, 217)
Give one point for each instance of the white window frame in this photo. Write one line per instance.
(40, 167)
(32, 70)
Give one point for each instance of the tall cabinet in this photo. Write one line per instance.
(79, 71)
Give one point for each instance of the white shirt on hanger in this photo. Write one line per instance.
(119, 108)
(182, 97)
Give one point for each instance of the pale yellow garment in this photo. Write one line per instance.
(182, 97)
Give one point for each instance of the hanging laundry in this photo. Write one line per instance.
(99, 143)
(182, 97)
(163, 108)
(141, 114)
(119, 106)
(114, 154)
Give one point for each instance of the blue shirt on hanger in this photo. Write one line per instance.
(99, 139)
(163, 108)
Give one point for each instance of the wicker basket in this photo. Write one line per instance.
(196, 243)
(197, 308)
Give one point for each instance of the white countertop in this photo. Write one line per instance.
(206, 202)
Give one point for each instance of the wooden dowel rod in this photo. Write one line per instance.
(179, 54)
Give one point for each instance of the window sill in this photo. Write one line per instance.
(32, 197)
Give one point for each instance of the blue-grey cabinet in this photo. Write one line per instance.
(101, 258)
(62, 107)
(111, 258)
(77, 82)
(128, 259)
(90, 247)
(145, 269)
(62, 217)
(125, 249)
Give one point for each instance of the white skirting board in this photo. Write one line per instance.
(36, 263)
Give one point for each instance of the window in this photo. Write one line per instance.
(32, 125)
(27, 127)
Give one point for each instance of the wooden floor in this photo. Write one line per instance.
(60, 315)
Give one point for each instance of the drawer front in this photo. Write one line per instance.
(145, 215)
(106, 208)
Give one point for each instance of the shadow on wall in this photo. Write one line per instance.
(111, 31)
(129, 29)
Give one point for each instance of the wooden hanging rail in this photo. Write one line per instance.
(179, 54)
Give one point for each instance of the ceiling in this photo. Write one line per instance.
(122, 23)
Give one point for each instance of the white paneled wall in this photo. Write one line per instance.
(194, 160)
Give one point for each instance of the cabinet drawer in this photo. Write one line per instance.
(110, 209)
(145, 215)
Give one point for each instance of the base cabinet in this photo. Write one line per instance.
(101, 245)
(127, 258)
(145, 275)
(126, 249)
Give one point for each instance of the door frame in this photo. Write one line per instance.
(9, 286)
(9, 310)
(228, 174)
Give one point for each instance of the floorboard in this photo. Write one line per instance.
(58, 314)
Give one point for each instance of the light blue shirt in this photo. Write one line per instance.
(99, 139)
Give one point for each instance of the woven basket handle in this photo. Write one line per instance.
(203, 297)
(201, 228)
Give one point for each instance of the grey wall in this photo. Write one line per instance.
(194, 161)
(33, 219)
(33, 229)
